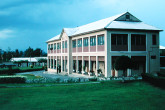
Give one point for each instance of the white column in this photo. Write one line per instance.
(89, 63)
(97, 65)
(61, 46)
(76, 45)
(77, 64)
(56, 62)
(61, 63)
(64, 63)
(147, 63)
(53, 62)
(96, 43)
(70, 58)
(129, 42)
(53, 47)
(48, 61)
(82, 45)
(108, 62)
(129, 70)
(83, 63)
(56, 49)
(89, 44)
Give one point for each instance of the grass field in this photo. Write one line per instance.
(111, 95)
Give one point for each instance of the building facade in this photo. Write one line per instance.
(93, 47)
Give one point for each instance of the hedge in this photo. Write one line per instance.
(12, 79)
(161, 74)
(155, 80)
(16, 70)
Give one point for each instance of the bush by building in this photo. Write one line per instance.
(12, 79)
(155, 80)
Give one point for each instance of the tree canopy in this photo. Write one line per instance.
(123, 63)
(30, 52)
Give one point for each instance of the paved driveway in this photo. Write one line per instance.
(53, 75)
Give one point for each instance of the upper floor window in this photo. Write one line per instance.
(79, 43)
(138, 39)
(62, 44)
(58, 45)
(54, 46)
(127, 16)
(153, 39)
(51, 47)
(85, 42)
(48, 46)
(92, 41)
(65, 44)
(119, 39)
(74, 43)
(100, 40)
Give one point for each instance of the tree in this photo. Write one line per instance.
(16, 53)
(0, 55)
(123, 63)
(42, 60)
(37, 52)
(29, 52)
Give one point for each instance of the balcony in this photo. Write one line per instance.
(79, 49)
(138, 47)
(92, 48)
(119, 48)
(74, 50)
(85, 49)
(100, 48)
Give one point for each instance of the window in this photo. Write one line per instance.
(54, 46)
(113, 40)
(100, 40)
(85, 42)
(153, 39)
(79, 43)
(119, 39)
(58, 45)
(127, 16)
(51, 47)
(74, 43)
(153, 57)
(65, 44)
(48, 46)
(138, 39)
(92, 41)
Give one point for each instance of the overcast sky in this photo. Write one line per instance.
(25, 23)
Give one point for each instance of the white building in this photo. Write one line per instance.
(96, 46)
(28, 60)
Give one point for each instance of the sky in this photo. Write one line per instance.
(25, 23)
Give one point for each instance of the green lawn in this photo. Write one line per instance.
(111, 95)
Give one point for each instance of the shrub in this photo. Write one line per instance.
(31, 66)
(10, 71)
(17, 70)
(92, 79)
(12, 79)
(44, 68)
(155, 80)
(161, 74)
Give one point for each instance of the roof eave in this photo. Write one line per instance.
(52, 40)
(87, 32)
(134, 29)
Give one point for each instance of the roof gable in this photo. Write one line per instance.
(127, 17)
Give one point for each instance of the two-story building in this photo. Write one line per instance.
(96, 46)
